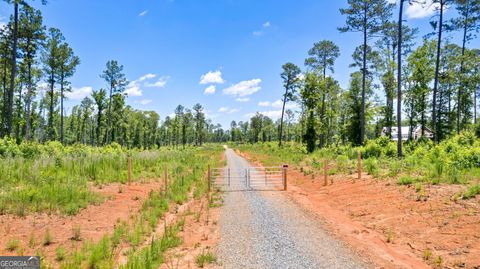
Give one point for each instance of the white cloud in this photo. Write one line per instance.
(228, 110)
(273, 114)
(143, 13)
(278, 104)
(147, 76)
(242, 100)
(79, 93)
(265, 25)
(160, 83)
(145, 101)
(264, 104)
(244, 88)
(133, 89)
(212, 77)
(257, 33)
(210, 90)
(421, 10)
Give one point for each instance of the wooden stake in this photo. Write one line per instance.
(284, 178)
(325, 175)
(129, 170)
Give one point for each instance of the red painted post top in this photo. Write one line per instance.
(285, 166)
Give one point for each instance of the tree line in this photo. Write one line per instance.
(435, 84)
(36, 65)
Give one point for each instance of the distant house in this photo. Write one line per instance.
(416, 134)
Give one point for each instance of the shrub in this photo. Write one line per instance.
(472, 192)
(60, 253)
(405, 180)
(372, 166)
(47, 239)
(12, 245)
(372, 149)
(205, 258)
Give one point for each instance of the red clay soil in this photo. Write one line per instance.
(391, 225)
(200, 235)
(94, 221)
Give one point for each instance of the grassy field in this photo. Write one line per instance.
(61, 179)
(51, 177)
(453, 161)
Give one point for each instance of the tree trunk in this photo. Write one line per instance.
(399, 81)
(280, 132)
(50, 116)
(364, 77)
(61, 106)
(28, 102)
(462, 71)
(5, 99)
(14, 70)
(437, 67)
(107, 136)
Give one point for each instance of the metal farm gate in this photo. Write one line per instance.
(250, 179)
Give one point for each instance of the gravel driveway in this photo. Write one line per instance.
(267, 230)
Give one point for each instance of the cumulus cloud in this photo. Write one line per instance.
(160, 83)
(145, 101)
(260, 32)
(244, 88)
(419, 10)
(264, 104)
(210, 90)
(134, 88)
(278, 104)
(228, 110)
(212, 77)
(273, 114)
(242, 100)
(79, 93)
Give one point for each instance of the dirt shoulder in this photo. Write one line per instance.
(123, 201)
(391, 225)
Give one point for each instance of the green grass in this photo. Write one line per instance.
(472, 192)
(56, 179)
(186, 172)
(405, 180)
(452, 161)
(205, 258)
(12, 245)
(47, 238)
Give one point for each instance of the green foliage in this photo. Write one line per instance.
(205, 258)
(405, 180)
(12, 245)
(472, 192)
(372, 167)
(53, 177)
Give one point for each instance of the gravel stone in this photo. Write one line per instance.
(264, 229)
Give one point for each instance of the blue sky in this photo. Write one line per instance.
(173, 50)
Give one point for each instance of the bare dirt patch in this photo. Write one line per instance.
(200, 235)
(391, 224)
(93, 222)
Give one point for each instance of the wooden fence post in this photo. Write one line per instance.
(285, 167)
(359, 164)
(209, 178)
(325, 175)
(129, 170)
